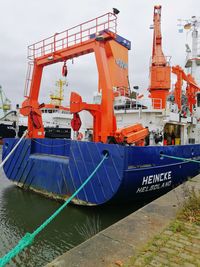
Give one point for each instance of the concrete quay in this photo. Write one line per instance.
(129, 241)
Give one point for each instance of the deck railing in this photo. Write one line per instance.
(73, 36)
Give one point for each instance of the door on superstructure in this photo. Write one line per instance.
(172, 134)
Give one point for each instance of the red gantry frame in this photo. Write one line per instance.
(96, 36)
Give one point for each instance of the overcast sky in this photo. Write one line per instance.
(24, 22)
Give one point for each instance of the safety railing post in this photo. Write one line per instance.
(96, 25)
(81, 33)
(54, 42)
(67, 38)
(43, 48)
(34, 51)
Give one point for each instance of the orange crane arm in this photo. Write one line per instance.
(77, 105)
(178, 85)
(191, 90)
(160, 71)
(158, 58)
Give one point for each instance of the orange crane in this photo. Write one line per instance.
(78, 41)
(191, 89)
(160, 71)
(96, 36)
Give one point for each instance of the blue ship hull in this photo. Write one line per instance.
(58, 167)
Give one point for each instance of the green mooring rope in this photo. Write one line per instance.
(29, 237)
(179, 158)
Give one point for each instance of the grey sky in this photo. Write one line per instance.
(24, 22)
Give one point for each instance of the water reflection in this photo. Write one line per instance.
(23, 211)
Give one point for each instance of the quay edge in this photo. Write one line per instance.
(126, 237)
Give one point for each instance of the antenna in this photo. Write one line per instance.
(192, 27)
(188, 24)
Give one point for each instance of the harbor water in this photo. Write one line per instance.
(23, 211)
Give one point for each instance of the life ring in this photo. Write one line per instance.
(80, 136)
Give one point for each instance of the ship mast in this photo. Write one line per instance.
(57, 97)
(193, 56)
(5, 102)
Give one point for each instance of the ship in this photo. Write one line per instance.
(56, 117)
(7, 125)
(148, 147)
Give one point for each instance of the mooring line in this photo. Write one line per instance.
(179, 158)
(29, 237)
(8, 156)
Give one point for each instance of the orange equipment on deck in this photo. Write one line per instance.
(111, 53)
(132, 134)
(160, 70)
(191, 89)
(77, 105)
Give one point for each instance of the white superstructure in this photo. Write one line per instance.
(192, 26)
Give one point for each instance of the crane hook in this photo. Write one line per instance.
(64, 70)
